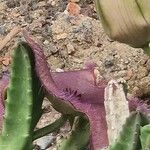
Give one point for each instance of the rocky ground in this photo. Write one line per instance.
(71, 34)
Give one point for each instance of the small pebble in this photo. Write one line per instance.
(75, 1)
(73, 9)
(2, 30)
(108, 63)
(61, 36)
(45, 141)
(70, 48)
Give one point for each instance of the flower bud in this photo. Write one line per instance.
(126, 21)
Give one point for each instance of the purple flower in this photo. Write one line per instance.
(3, 84)
(79, 88)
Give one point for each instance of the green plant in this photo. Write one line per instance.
(145, 137)
(80, 130)
(75, 94)
(128, 21)
(129, 138)
(18, 112)
(23, 104)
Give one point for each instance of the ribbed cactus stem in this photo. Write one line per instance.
(145, 137)
(18, 108)
(129, 136)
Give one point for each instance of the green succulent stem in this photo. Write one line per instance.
(38, 92)
(50, 128)
(129, 136)
(146, 49)
(145, 137)
(16, 133)
(79, 137)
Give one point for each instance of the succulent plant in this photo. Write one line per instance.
(75, 94)
(79, 137)
(18, 112)
(145, 137)
(78, 93)
(129, 136)
(67, 88)
(128, 21)
(23, 104)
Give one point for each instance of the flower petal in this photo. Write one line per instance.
(91, 100)
(3, 84)
(124, 21)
